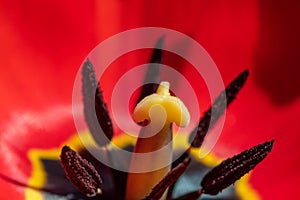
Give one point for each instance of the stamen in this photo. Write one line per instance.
(234, 168)
(231, 91)
(153, 71)
(168, 180)
(191, 195)
(80, 172)
(98, 114)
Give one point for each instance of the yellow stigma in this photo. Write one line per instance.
(163, 88)
(173, 106)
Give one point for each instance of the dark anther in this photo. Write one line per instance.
(209, 120)
(234, 168)
(80, 172)
(168, 180)
(95, 109)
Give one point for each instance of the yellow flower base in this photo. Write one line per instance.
(38, 175)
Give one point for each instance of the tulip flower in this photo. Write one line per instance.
(43, 44)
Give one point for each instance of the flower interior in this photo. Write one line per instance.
(157, 109)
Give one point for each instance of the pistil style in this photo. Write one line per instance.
(161, 110)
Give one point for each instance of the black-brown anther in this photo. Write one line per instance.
(190, 196)
(234, 168)
(152, 77)
(95, 109)
(80, 172)
(158, 191)
(209, 120)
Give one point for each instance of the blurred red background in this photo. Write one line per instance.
(43, 43)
